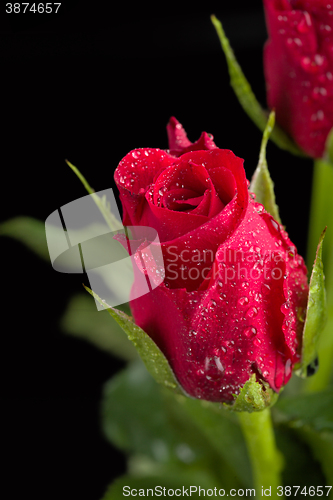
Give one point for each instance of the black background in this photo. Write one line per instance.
(89, 84)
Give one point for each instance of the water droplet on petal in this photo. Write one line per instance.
(275, 224)
(305, 23)
(315, 64)
(213, 368)
(250, 331)
(288, 368)
(252, 312)
(243, 301)
(319, 93)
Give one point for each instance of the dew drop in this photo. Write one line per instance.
(287, 368)
(319, 93)
(250, 331)
(243, 301)
(315, 64)
(213, 368)
(198, 392)
(252, 312)
(275, 224)
(285, 306)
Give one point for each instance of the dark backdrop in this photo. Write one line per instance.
(90, 84)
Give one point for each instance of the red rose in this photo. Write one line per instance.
(298, 64)
(235, 289)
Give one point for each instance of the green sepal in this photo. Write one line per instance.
(262, 185)
(154, 360)
(254, 396)
(316, 313)
(246, 96)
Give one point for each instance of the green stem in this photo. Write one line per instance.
(321, 215)
(266, 460)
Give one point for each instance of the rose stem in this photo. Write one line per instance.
(321, 215)
(266, 460)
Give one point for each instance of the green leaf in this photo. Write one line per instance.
(81, 319)
(163, 433)
(101, 203)
(262, 185)
(29, 231)
(254, 397)
(155, 361)
(133, 417)
(316, 312)
(314, 410)
(247, 98)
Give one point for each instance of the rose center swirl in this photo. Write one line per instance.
(187, 188)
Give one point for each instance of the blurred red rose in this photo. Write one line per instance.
(298, 64)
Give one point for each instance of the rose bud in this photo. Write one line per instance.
(233, 300)
(298, 65)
